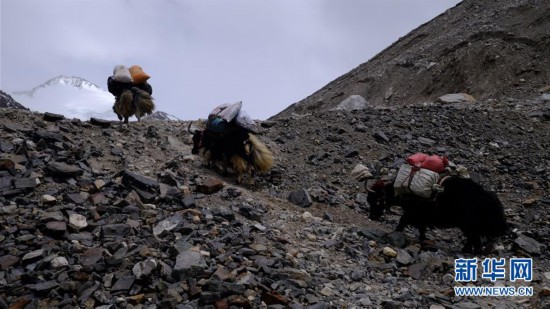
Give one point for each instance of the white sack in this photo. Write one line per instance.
(231, 111)
(361, 172)
(122, 74)
(244, 120)
(216, 111)
(421, 182)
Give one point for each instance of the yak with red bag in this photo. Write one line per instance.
(458, 202)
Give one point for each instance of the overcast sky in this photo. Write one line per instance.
(202, 53)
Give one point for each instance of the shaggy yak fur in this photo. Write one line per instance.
(133, 102)
(463, 204)
(239, 149)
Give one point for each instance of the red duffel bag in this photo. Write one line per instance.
(416, 159)
(433, 163)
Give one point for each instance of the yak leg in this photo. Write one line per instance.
(250, 172)
(225, 170)
(376, 205)
(467, 246)
(422, 231)
(208, 161)
(119, 116)
(126, 119)
(239, 165)
(472, 244)
(403, 222)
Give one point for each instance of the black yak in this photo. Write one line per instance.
(238, 148)
(462, 203)
(131, 91)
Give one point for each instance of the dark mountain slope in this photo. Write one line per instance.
(6, 101)
(489, 49)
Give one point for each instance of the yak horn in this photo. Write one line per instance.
(189, 129)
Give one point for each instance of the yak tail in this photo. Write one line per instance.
(262, 157)
(144, 102)
(124, 104)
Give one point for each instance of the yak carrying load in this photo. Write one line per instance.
(420, 178)
(131, 91)
(229, 140)
(433, 192)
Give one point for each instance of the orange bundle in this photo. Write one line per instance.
(138, 76)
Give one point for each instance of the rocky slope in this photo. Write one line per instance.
(489, 49)
(102, 215)
(6, 101)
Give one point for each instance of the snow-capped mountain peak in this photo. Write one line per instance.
(74, 97)
(74, 81)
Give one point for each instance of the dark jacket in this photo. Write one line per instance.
(116, 88)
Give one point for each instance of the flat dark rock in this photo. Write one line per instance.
(53, 117)
(64, 170)
(7, 261)
(134, 180)
(100, 122)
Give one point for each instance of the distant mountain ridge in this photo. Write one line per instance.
(73, 81)
(160, 116)
(6, 101)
